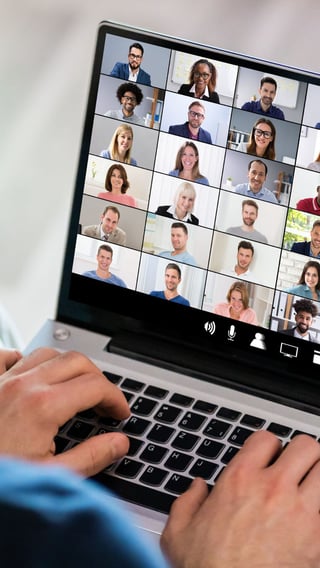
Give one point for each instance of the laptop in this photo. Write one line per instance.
(191, 265)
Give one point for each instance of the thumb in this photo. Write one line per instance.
(93, 455)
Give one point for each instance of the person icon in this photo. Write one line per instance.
(129, 97)
(172, 281)
(132, 70)
(259, 341)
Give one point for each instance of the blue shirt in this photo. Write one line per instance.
(50, 517)
(106, 154)
(202, 180)
(113, 279)
(182, 257)
(255, 106)
(264, 193)
(302, 290)
(177, 299)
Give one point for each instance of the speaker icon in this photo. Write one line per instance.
(210, 327)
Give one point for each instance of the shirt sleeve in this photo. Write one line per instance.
(50, 517)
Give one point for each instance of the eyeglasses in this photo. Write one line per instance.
(196, 114)
(197, 75)
(265, 133)
(134, 56)
(129, 99)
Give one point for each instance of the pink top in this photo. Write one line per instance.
(248, 315)
(123, 198)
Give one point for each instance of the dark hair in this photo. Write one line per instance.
(268, 80)
(246, 245)
(251, 203)
(137, 46)
(131, 88)
(316, 224)
(107, 248)
(111, 208)
(177, 225)
(174, 266)
(259, 162)
(123, 174)
(310, 264)
(270, 150)
(242, 288)
(213, 71)
(304, 305)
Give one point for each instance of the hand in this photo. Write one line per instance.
(40, 392)
(8, 358)
(263, 511)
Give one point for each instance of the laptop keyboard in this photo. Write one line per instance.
(173, 438)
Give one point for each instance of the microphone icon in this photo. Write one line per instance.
(231, 332)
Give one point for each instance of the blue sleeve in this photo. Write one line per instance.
(50, 517)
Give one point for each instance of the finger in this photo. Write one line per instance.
(310, 489)
(52, 367)
(257, 452)
(297, 458)
(8, 358)
(93, 455)
(185, 507)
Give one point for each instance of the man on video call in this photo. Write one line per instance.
(267, 92)
(192, 128)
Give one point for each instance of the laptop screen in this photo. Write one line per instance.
(197, 201)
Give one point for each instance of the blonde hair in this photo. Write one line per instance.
(113, 146)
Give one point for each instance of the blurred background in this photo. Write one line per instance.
(45, 64)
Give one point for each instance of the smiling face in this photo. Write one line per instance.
(188, 158)
(172, 279)
(201, 76)
(249, 215)
(109, 221)
(104, 259)
(267, 94)
(116, 181)
(262, 137)
(256, 176)
(315, 237)
(304, 321)
(185, 203)
(196, 116)
(178, 239)
(311, 277)
(244, 258)
(135, 58)
(124, 142)
(236, 301)
(129, 103)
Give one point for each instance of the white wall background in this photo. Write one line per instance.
(45, 63)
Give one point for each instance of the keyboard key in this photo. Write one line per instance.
(109, 422)
(61, 444)
(181, 399)
(160, 433)
(178, 484)
(210, 449)
(279, 430)
(298, 432)
(135, 446)
(88, 414)
(230, 452)
(168, 413)
(143, 406)
(129, 395)
(206, 407)
(112, 377)
(217, 428)
(153, 476)
(129, 468)
(185, 441)
(203, 468)
(228, 414)
(156, 392)
(239, 435)
(178, 461)
(252, 421)
(80, 430)
(136, 426)
(153, 453)
(192, 421)
(133, 385)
